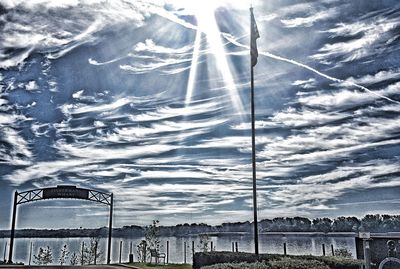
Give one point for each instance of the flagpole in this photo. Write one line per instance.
(253, 147)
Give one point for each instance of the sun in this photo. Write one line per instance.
(198, 8)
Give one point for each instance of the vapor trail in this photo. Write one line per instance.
(276, 57)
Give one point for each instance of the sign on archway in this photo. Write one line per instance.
(61, 192)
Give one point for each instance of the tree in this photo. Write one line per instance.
(74, 259)
(63, 255)
(322, 225)
(91, 251)
(152, 241)
(301, 224)
(203, 243)
(371, 223)
(141, 251)
(152, 236)
(44, 256)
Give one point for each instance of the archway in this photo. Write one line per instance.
(61, 192)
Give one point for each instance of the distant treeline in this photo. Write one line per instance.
(371, 223)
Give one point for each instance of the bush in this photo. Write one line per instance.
(209, 258)
(339, 263)
(343, 252)
(243, 265)
(63, 255)
(204, 243)
(74, 259)
(44, 256)
(284, 263)
(295, 263)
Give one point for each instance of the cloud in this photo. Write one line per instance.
(381, 76)
(374, 33)
(94, 62)
(306, 84)
(309, 20)
(267, 17)
(40, 129)
(149, 46)
(159, 58)
(346, 98)
(307, 67)
(159, 64)
(292, 117)
(28, 27)
(103, 153)
(69, 109)
(314, 192)
(14, 148)
(147, 56)
(9, 60)
(43, 170)
(31, 86)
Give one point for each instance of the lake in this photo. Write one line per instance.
(304, 244)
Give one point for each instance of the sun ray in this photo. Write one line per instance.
(193, 69)
(208, 25)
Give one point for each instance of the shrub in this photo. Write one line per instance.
(74, 259)
(295, 263)
(151, 241)
(204, 243)
(45, 256)
(91, 252)
(209, 258)
(63, 255)
(343, 252)
(284, 263)
(243, 265)
(340, 263)
(141, 251)
(152, 236)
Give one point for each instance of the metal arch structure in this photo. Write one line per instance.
(389, 259)
(61, 192)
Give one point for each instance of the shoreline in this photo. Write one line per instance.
(222, 234)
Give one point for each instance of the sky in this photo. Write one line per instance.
(150, 100)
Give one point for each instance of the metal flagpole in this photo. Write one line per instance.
(253, 131)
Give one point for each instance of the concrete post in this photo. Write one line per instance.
(367, 254)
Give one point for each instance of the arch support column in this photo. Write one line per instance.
(14, 216)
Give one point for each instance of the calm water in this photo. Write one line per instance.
(268, 244)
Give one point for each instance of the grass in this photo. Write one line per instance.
(167, 266)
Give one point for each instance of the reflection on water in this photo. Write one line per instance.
(296, 245)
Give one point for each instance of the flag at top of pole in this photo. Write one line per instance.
(253, 36)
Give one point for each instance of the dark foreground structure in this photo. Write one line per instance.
(61, 192)
(381, 251)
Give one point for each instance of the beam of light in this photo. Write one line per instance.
(193, 68)
(279, 58)
(208, 25)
